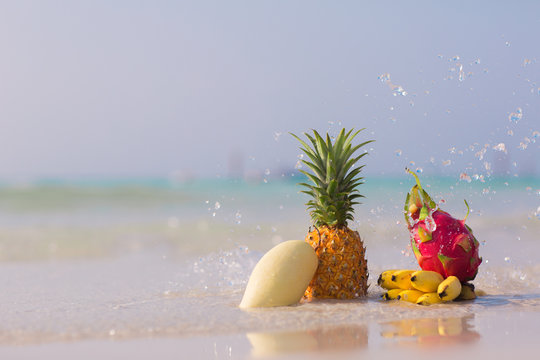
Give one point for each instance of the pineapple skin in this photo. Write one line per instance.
(342, 272)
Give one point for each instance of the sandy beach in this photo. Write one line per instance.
(95, 309)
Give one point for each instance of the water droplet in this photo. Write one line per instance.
(452, 150)
(480, 154)
(277, 135)
(384, 77)
(238, 217)
(524, 144)
(500, 147)
(535, 135)
(431, 226)
(507, 44)
(398, 90)
(516, 116)
(477, 61)
(455, 58)
(447, 162)
(465, 177)
(398, 152)
(461, 75)
(217, 205)
(267, 172)
(440, 56)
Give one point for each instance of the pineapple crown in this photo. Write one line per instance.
(418, 203)
(334, 180)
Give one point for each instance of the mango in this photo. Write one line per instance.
(282, 275)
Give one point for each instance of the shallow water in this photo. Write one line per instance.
(160, 265)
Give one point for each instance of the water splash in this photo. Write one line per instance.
(480, 154)
(516, 116)
(500, 147)
(524, 144)
(396, 89)
(465, 177)
(431, 226)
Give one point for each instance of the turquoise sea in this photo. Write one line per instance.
(166, 261)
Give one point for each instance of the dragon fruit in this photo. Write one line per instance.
(440, 242)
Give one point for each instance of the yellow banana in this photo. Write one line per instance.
(409, 295)
(429, 299)
(391, 294)
(426, 281)
(385, 280)
(403, 279)
(467, 292)
(449, 289)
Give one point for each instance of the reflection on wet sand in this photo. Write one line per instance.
(338, 338)
(431, 331)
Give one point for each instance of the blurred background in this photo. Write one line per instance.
(128, 124)
(205, 89)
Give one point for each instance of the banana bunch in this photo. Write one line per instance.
(423, 287)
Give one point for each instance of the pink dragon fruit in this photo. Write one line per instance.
(440, 242)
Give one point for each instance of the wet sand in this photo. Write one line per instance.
(120, 308)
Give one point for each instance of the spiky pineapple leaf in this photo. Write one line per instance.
(334, 175)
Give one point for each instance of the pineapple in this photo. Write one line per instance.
(342, 271)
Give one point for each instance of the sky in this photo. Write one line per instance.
(212, 88)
